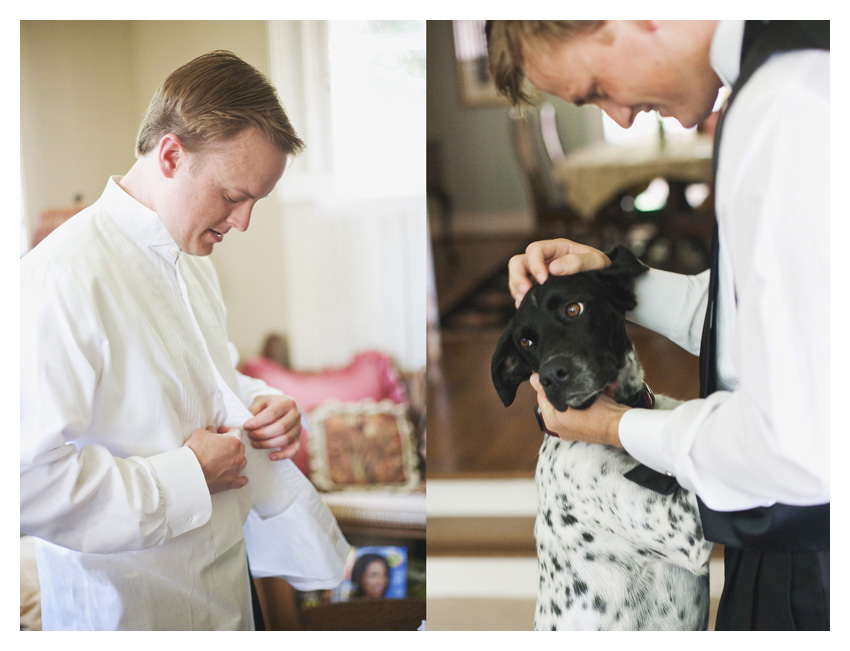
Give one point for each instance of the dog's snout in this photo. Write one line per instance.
(556, 373)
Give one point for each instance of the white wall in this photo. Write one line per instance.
(78, 117)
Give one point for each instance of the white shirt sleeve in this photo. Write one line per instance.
(672, 305)
(766, 439)
(250, 388)
(127, 503)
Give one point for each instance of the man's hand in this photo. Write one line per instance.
(276, 425)
(557, 257)
(222, 458)
(599, 423)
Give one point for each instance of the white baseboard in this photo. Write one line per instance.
(486, 224)
(448, 498)
(494, 577)
(484, 578)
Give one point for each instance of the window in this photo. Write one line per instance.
(355, 91)
(647, 126)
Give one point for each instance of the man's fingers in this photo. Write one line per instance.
(518, 282)
(267, 410)
(279, 439)
(283, 425)
(221, 455)
(536, 259)
(544, 258)
(579, 261)
(285, 452)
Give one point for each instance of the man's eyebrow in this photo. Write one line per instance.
(247, 194)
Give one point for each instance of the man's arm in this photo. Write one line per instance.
(276, 424)
(76, 492)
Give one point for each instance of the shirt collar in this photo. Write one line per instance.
(726, 50)
(142, 224)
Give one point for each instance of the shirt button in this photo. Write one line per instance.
(174, 252)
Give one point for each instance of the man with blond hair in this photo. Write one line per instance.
(755, 446)
(135, 479)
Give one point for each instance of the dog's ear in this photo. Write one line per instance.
(508, 369)
(619, 277)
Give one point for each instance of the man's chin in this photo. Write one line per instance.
(199, 250)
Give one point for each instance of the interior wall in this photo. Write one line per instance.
(480, 169)
(78, 118)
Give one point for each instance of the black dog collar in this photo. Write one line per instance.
(643, 399)
(541, 424)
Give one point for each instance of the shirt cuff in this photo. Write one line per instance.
(642, 435)
(186, 497)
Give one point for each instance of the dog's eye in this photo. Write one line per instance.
(574, 309)
(525, 342)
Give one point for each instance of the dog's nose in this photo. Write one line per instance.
(557, 373)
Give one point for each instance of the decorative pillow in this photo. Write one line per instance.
(361, 445)
(370, 374)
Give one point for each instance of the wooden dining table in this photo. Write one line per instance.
(595, 175)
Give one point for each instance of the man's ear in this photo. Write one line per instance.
(619, 277)
(170, 154)
(508, 369)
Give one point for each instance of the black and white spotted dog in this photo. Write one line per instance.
(612, 555)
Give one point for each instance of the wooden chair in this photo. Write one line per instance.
(673, 226)
(537, 146)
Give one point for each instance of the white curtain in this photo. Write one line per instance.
(354, 208)
(359, 281)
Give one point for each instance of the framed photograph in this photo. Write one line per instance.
(476, 88)
(374, 572)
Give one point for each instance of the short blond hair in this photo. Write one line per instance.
(508, 41)
(211, 99)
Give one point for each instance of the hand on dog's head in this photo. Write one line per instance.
(571, 330)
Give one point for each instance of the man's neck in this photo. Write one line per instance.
(137, 182)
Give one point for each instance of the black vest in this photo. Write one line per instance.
(779, 527)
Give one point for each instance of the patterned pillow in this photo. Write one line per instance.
(362, 445)
(370, 375)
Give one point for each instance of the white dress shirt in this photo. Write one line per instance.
(764, 438)
(124, 353)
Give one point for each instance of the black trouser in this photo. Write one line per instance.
(259, 622)
(774, 591)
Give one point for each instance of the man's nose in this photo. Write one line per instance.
(240, 218)
(624, 116)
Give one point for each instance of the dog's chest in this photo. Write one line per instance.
(579, 486)
(605, 546)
